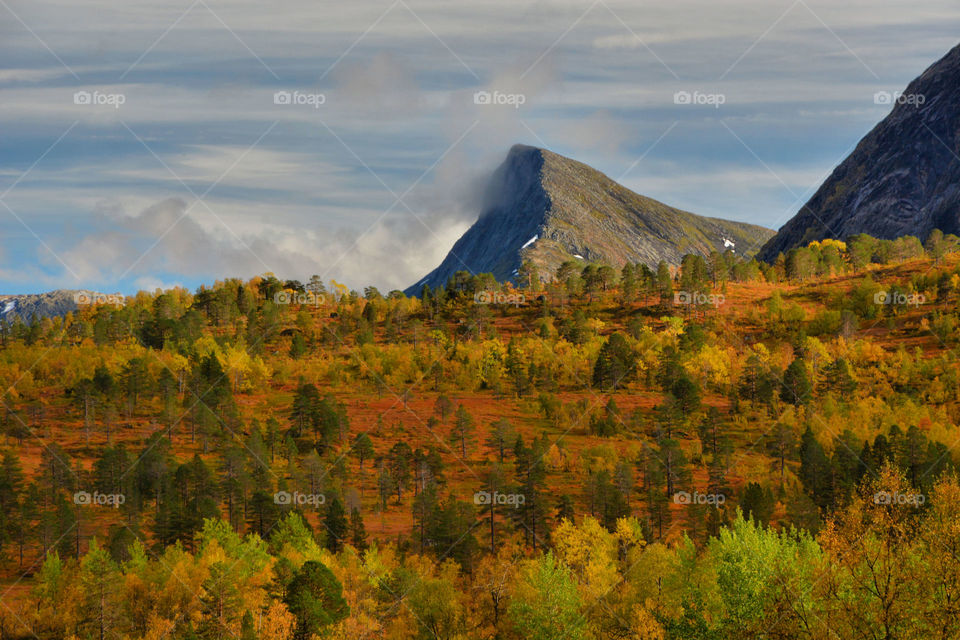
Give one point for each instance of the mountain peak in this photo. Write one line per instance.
(903, 178)
(545, 208)
(520, 149)
(46, 305)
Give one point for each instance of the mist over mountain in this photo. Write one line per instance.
(544, 208)
(903, 178)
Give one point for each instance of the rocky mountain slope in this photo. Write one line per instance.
(903, 177)
(545, 208)
(50, 304)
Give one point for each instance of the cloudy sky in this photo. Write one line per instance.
(150, 143)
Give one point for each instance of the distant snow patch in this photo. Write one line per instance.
(728, 243)
(8, 306)
(577, 255)
(530, 241)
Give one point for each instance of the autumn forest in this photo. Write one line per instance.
(728, 449)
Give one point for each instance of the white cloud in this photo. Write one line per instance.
(618, 41)
(384, 84)
(30, 75)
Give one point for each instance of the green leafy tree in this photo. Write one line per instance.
(757, 503)
(315, 598)
(615, 363)
(815, 470)
(305, 411)
(358, 533)
(546, 605)
(100, 579)
(336, 525)
(362, 448)
(797, 388)
(765, 580)
(298, 346)
(664, 281)
(628, 282)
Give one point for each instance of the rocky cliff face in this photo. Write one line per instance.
(545, 208)
(902, 179)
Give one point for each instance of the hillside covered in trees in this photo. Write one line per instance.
(725, 450)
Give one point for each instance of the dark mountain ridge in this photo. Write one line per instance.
(903, 178)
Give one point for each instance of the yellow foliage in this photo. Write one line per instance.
(278, 623)
(158, 627)
(674, 326)
(645, 625)
(206, 346)
(556, 458)
(711, 365)
(591, 553)
(358, 625)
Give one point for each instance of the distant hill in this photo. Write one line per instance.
(902, 179)
(50, 304)
(545, 208)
